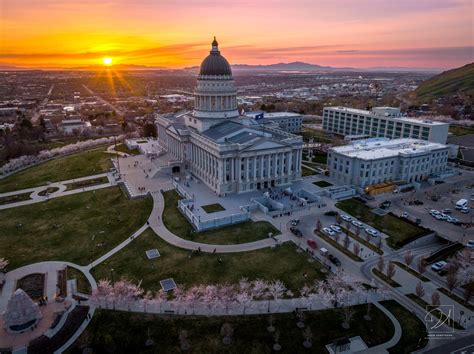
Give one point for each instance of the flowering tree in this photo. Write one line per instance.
(179, 298)
(356, 249)
(421, 265)
(147, 298)
(103, 293)
(160, 298)
(245, 295)
(318, 225)
(464, 261)
(452, 281)
(226, 295)
(381, 265)
(276, 290)
(260, 289)
(420, 290)
(391, 270)
(347, 241)
(3, 264)
(210, 296)
(435, 299)
(408, 257)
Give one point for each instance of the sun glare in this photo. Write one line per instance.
(107, 61)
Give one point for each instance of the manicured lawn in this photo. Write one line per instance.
(82, 164)
(458, 130)
(213, 208)
(322, 184)
(114, 332)
(240, 233)
(398, 230)
(86, 183)
(320, 158)
(15, 198)
(413, 330)
(125, 149)
(187, 269)
(63, 228)
(307, 172)
(386, 279)
(82, 283)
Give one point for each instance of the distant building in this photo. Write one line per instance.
(288, 121)
(73, 126)
(224, 150)
(373, 161)
(385, 122)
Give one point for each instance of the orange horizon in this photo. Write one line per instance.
(341, 33)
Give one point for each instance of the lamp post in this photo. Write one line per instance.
(112, 274)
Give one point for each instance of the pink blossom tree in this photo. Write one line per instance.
(276, 290)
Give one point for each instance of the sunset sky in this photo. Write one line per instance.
(177, 33)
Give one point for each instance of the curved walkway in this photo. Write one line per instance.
(156, 224)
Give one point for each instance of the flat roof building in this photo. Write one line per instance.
(385, 122)
(287, 121)
(372, 161)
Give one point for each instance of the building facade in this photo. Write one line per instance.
(373, 161)
(227, 152)
(287, 121)
(385, 122)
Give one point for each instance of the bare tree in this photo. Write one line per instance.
(356, 249)
(391, 270)
(318, 225)
(435, 299)
(381, 264)
(409, 258)
(347, 241)
(421, 265)
(367, 237)
(348, 313)
(420, 290)
(452, 281)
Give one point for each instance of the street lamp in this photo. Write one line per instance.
(112, 274)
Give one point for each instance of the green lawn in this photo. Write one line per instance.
(318, 135)
(458, 130)
(82, 283)
(212, 208)
(413, 330)
(307, 172)
(187, 269)
(123, 332)
(125, 149)
(322, 184)
(240, 233)
(398, 230)
(62, 228)
(82, 164)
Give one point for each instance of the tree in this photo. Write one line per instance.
(379, 243)
(348, 313)
(463, 262)
(356, 249)
(420, 290)
(408, 258)
(357, 231)
(318, 225)
(452, 281)
(276, 290)
(467, 293)
(435, 299)
(3, 264)
(149, 130)
(347, 241)
(421, 265)
(367, 237)
(391, 270)
(381, 264)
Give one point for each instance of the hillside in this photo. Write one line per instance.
(451, 82)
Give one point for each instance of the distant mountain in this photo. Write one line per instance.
(294, 66)
(118, 67)
(451, 82)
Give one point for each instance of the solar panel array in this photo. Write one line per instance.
(151, 254)
(168, 284)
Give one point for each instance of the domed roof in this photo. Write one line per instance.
(215, 63)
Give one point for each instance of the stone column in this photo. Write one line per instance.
(247, 169)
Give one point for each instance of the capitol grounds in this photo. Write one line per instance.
(102, 233)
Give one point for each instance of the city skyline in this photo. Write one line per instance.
(425, 34)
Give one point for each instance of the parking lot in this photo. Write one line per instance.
(447, 194)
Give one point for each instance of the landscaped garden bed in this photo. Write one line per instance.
(322, 184)
(386, 279)
(212, 208)
(15, 198)
(87, 183)
(361, 240)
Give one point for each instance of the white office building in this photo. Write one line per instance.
(385, 122)
(372, 161)
(228, 152)
(287, 121)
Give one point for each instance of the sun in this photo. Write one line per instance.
(107, 61)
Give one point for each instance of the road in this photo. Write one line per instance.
(107, 103)
(36, 115)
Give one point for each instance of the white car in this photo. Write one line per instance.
(465, 210)
(371, 232)
(444, 216)
(357, 224)
(434, 212)
(438, 217)
(328, 231)
(451, 219)
(405, 215)
(346, 217)
(335, 228)
(470, 244)
(438, 266)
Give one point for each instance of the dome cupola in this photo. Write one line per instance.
(215, 64)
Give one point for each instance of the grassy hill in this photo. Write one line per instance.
(451, 82)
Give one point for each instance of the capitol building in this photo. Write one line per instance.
(229, 152)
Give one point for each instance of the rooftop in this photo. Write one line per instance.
(370, 149)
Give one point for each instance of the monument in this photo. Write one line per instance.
(21, 312)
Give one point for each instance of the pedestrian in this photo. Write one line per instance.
(46, 299)
(199, 249)
(215, 250)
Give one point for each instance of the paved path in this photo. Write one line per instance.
(156, 223)
(61, 192)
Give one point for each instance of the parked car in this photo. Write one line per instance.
(465, 210)
(295, 222)
(346, 217)
(385, 204)
(334, 260)
(328, 231)
(331, 213)
(295, 231)
(418, 202)
(452, 220)
(444, 216)
(312, 244)
(446, 211)
(438, 266)
(434, 212)
(470, 244)
(357, 224)
(404, 215)
(372, 232)
(438, 217)
(335, 228)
